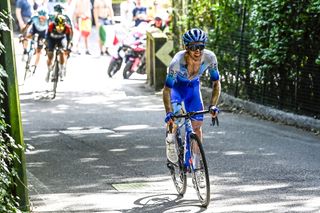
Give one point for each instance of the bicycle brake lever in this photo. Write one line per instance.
(215, 121)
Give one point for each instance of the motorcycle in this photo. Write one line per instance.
(120, 54)
(135, 59)
(116, 61)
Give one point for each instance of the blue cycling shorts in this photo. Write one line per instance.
(190, 96)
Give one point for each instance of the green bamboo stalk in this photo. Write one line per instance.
(12, 109)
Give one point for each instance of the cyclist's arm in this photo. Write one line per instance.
(170, 81)
(216, 90)
(215, 78)
(28, 24)
(69, 35)
(19, 18)
(166, 95)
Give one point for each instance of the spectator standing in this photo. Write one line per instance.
(52, 3)
(104, 16)
(82, 22)
(139, 13)
(23, 14)
(126, 9)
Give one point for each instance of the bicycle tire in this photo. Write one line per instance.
(27, 67)
(55, 78)
(127, 70)
(177, 171)
(114, 67)
(203, 192)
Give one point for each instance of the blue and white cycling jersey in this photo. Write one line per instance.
(187, 90)
(37, 26)
(178, 73)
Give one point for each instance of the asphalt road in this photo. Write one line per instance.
(99, 147)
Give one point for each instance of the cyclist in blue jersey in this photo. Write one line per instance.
(182, 83)
(38, 24)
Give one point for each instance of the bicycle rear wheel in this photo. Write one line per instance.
(199, 171)
(177, 171)
(55, 78)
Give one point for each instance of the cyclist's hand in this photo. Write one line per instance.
(169, 118)
(41, 42)
(69, 46)
(214, 111)
(21, 38)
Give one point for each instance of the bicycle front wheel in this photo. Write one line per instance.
(199, 171)
(55, 78)
(27, 67)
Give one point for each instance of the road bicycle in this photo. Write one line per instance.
(56, 69)
(191, 158)
(30, 52)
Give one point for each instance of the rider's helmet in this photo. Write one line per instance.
(58, 9)
(42, 12)
(60, 22)
(194, 35)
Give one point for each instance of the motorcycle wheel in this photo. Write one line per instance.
(114, 67)
(127, 70)
(142, 67)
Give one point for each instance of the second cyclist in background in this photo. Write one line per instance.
(59, 10)
(59, 34)
(38, 24)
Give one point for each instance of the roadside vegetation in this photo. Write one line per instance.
(268, 50)
(8, 175)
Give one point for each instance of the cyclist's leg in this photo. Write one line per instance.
(50, 47)
(193, 102)
(39, 47)
(171, 140)
(63, 57)
(25, 41)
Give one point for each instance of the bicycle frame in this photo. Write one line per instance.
(32, 46)
(191, 158)
(188, 132)
(57, 51)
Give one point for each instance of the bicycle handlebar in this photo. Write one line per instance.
(190, 114)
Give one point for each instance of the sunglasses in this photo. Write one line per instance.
(196, 47)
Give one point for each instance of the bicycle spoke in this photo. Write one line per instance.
(199, 172)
